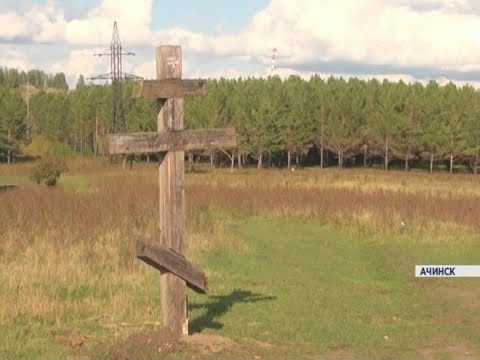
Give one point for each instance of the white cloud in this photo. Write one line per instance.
(398, 34)
(17, 28)
(133, 15)
(80, 62)
(14, 59)
(39, 23)
(145, 70)
(47, 22)
(371, 31)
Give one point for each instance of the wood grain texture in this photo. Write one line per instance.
(166, 260)
(176, 140)
(172, 194)
(170, 88)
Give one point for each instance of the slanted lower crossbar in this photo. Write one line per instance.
(166, 260)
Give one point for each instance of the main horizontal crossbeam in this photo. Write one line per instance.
(170, 88)
(166, 260)
(176, 140)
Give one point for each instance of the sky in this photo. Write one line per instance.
(411, 40)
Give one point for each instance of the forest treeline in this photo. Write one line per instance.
(279, 122)
(13, 78)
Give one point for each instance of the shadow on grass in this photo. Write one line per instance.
(219, 305)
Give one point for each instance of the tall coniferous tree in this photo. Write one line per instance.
(13, 124)
(454, 124)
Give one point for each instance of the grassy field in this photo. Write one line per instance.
(307, 264)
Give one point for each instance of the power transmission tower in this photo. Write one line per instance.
(443, 77)
(116, 75)
(273, 66)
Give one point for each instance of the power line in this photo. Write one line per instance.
(116, 75)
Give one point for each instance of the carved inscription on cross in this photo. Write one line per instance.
(171, 141)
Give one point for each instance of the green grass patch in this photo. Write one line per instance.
(300, 286)
(78, 183)
(321, 291)
(13, 180)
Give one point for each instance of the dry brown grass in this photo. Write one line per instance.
(385, 210)
(365, 180)
(363, 202)
(54, 242)
(125, 203)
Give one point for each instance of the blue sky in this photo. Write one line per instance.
(412, 40)
(195, 15)
(206, 15)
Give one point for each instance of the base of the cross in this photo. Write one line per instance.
(185, 327)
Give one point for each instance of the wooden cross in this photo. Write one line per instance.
(171, 141)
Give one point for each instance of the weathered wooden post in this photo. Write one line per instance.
(171, 140)
(172, 193)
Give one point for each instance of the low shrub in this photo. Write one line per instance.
(48, 171)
